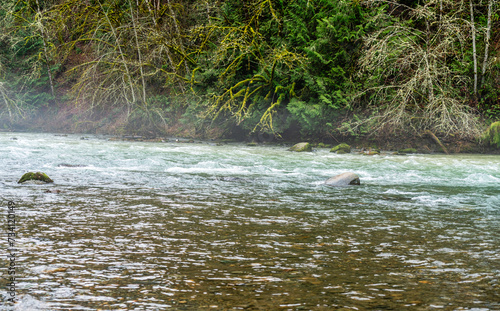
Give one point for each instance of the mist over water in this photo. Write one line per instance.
(183, 226)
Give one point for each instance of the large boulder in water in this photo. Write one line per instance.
(301, 147)
(37, 177)
(343, 180)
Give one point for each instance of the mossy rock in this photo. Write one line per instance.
(492, 134)
(407, 150)
(38, 176)
(342, 148)
(301, 147)
(373, 152)
(323, 145)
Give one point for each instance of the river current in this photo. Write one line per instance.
(198, 226)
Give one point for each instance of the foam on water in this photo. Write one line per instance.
(160, 223)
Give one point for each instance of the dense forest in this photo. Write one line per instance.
(312, 68)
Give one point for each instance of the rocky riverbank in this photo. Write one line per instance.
(68, 121)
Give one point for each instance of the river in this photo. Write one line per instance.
(197, 226)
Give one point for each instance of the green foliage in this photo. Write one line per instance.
(296, 56)
(489, 102)
(26, 54)
(413, 71)
(261, 65)
(309, 116)
(9, 105)
(334, 43)
(492, 135)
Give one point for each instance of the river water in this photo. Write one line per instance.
(196, 226)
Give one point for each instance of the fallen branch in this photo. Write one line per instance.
(434, 137)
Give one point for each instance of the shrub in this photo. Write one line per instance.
(492, 135)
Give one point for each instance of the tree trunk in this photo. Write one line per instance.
(208, 12)
(138, 53)
(181, 47)
(473, 46)
(129, 76)
(44, 40)
(487, 41)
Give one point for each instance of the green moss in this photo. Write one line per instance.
(408, 150)
(492, 134)
(342, 148)
(373, 152)
(35, 176)
(323, 145)
(301, 147)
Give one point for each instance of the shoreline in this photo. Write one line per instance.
(116, 127)
(359, 146)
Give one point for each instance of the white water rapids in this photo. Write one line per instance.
(197, 226)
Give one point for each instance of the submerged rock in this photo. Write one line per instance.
(342, 148)
(38, 176)
(301, 147)
(343, 180)
(57, 191)
(70, 165)
(233, 179)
